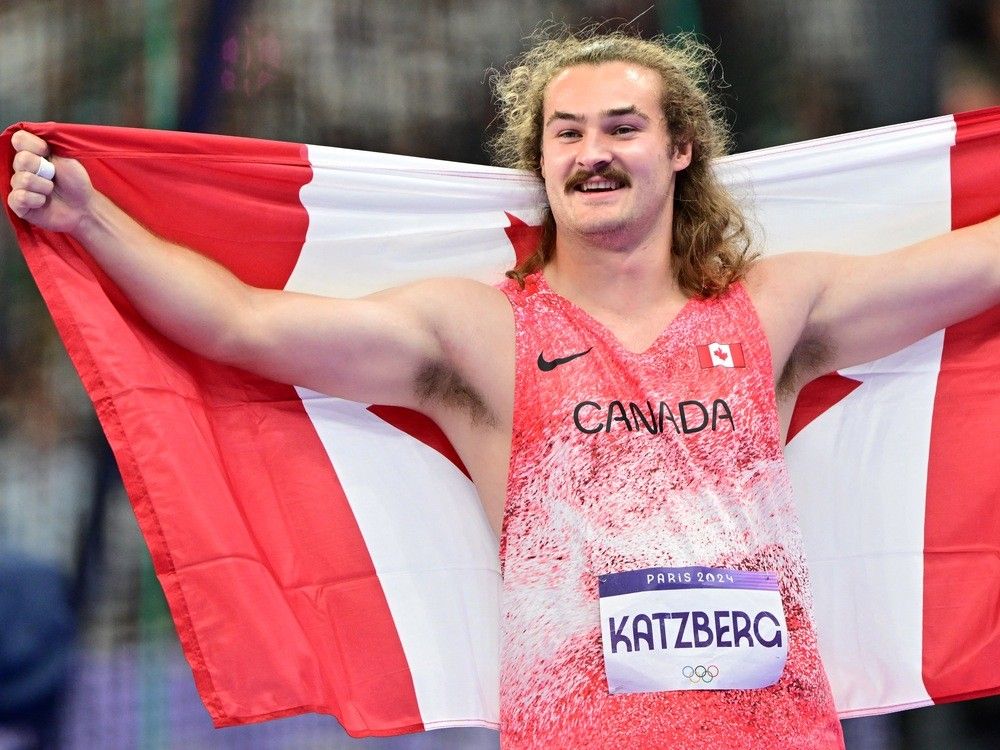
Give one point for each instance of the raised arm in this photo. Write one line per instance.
(842, 310)
(373, 349)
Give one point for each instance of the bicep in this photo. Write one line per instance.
(869, 307)
(369, 349)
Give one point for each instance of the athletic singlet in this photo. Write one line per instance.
(624, 461)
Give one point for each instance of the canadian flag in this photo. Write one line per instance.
(323, 555)
(721, 355)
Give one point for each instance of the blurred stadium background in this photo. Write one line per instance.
(88, 655)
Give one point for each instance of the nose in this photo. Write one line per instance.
(594, 152)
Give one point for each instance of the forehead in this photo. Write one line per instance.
(585, 89)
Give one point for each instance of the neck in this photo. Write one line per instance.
(600, 273)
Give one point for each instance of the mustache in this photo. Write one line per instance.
(610, 172)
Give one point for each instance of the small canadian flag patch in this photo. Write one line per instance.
(721, 355)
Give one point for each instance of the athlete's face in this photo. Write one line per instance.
(607, 158)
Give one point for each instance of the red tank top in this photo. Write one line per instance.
(623, 461)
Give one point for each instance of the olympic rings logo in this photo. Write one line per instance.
(700, 673)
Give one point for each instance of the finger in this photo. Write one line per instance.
(22, 140)
(46, 169)
(32, 183)
(26, 161)
(22, 201)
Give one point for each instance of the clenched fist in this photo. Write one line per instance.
(58, 204)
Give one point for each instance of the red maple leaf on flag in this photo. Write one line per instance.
(817, 397)
(721, 354)
(523, 237)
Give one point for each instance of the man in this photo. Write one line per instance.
(583, 400)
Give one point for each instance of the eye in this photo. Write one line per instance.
(567, 134)
(624, 130)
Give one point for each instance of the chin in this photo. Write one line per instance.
(608, 234)
(611, 225)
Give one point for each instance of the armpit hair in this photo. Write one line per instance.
(437, 382)
(808, 359)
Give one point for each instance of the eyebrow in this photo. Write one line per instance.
(616, 112)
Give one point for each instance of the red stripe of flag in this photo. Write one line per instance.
(271, 586)
(961, 633)
(704, 358)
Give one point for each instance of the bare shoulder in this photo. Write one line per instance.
(438, 290)
(796, 272)
(453, 307)
(474, 325)
(784, 288)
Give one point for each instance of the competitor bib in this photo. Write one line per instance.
(691, 629)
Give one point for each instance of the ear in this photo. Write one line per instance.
(681, 156)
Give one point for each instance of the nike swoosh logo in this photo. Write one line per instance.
(545, 365)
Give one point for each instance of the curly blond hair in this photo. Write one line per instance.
(711, 240)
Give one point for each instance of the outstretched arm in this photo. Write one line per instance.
(371, 349)
(873, 306)
(842, 310)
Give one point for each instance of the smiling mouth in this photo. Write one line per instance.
(606, 180)
(600, 186)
